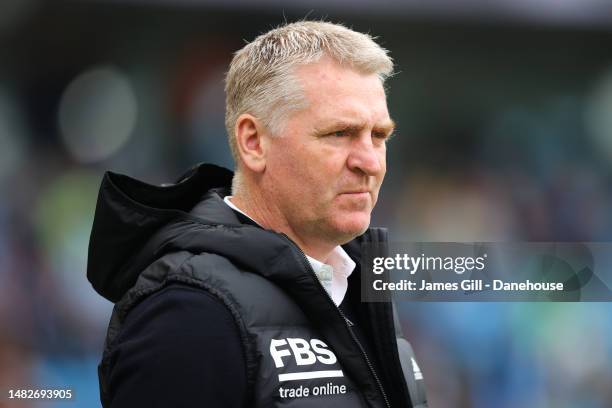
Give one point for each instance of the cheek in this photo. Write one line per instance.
(384, 171)
(383, 164)
(281, 157)
(307, 172)
(312, 164)
(380, 177)
(290, 170)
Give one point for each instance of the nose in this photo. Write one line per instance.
(367, 156)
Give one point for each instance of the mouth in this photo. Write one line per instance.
(356, 193)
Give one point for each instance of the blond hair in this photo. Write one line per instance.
(260, 78)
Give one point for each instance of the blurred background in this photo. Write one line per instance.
(505, 134)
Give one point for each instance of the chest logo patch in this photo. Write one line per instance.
(300, 355)
(304, 353)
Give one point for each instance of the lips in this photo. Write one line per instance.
(356, 193)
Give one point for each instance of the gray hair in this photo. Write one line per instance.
(260, 78)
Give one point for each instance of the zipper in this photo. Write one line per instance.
(346, 321)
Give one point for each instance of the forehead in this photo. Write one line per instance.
(334, 91)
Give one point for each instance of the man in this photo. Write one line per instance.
(252, 299)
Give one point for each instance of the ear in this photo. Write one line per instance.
(251, 142)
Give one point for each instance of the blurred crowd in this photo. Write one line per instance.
(505, 134)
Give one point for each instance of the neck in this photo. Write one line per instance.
(270, 217)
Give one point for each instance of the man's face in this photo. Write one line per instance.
(325, 171)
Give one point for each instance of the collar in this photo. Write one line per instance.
(332, 275)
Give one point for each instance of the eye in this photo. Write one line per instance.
(338, 133)
(383, 136)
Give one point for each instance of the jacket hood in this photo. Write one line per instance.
(129, 212)
(136, 223)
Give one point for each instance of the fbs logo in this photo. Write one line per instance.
(303, 352)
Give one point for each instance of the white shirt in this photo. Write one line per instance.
(333, 275)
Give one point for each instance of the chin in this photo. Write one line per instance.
(350, 227)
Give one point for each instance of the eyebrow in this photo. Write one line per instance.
(388, 127)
